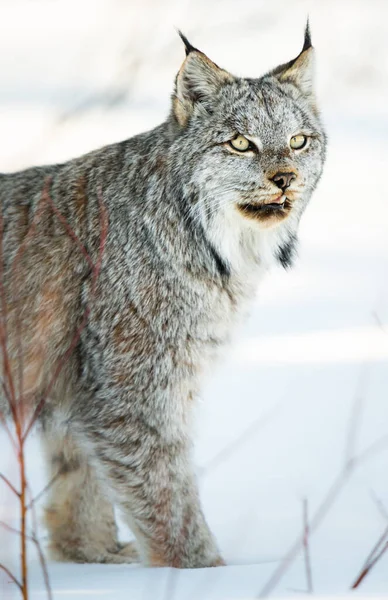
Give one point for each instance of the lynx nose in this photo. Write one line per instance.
(283, 180)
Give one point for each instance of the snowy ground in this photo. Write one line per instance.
(310, 366)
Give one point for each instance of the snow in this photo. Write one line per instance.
(306, 382)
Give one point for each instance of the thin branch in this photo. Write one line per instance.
(380, 506)
(12, 577)
(77, 335)
(378, 320)
(43, 565)
(368, 566)
(44, 490)
(3, 298)
(38, 546)
(7, 372)
(354, 424)
(231, 448)
(320, 514)
(21, 432)
(376, 547)
(34, 539)
(9, 484)
(374, 448)
(23, 512)
(8, 432)
(351, 462)
(15, 264)
(10, 528)
(67, 227)
(306, 548)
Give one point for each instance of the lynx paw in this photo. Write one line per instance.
(127, 552)
(121, 554)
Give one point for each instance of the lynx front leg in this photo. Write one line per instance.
(79, 516)
(155, 487)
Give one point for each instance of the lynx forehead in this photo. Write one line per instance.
(195, 211)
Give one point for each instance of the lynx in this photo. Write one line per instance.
(197, 210)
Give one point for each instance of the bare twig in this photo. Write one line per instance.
(320, 514)
(10, 528)
(16, 404)
(353, 428)
(6, 428)
(351, 462)
(380, 506)
(35, 540)
(9, 393)
(374, 556)
(378, 320)
(43, 566)
(231, 448)
(306, 547)
(380, 444)
(23, 511)
(66, 225)
(323, 509)
(77, 335)
(12, 577)
(15, 265)
(44, 490)
(9, 484)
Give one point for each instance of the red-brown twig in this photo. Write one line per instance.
(3, 302)
(34, 539)
(15, 265)
(77, 335)
(320, 514)
(16, 403)
(7, 430)
(350, 463)
(374, 556)
(323, 509)
(23, 510)
(66, 225)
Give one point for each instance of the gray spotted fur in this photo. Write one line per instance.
(180, 268)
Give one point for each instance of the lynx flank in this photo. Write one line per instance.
(197, 209)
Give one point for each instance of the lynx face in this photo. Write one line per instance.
(255, 148)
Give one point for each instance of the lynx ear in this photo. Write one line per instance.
(197, 82)
(300, 71)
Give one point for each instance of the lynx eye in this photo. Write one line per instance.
(298, 141)
(241, 143)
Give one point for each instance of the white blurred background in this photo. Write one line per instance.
(274, 425)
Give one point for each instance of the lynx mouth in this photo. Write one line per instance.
(262, 211)
(262, 208)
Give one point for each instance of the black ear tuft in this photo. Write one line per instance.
(307, 37)
(188, 47)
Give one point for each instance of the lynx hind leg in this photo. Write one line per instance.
(79, 517)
